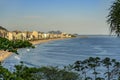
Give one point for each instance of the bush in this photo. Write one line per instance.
(12, 46)
(23, 72)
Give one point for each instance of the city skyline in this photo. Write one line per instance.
(71, 16)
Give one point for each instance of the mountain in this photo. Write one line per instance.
(55, 32)
(2, 28)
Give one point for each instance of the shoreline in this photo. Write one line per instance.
(6, 54)
(45, 40)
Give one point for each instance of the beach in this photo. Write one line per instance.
(43, 41)
(6, 54)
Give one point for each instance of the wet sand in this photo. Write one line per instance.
(6, 54)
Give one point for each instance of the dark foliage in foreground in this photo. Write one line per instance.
(88, 69)
(114, 17)
(23, 72)
(93, 67)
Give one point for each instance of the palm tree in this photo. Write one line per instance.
(93, 64)
(84, 67)
(116, 70)
(114, 17)
(77, 66)
(107, 62)
(81, 67)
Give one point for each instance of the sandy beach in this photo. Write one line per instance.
(43, 41)
(6, 54)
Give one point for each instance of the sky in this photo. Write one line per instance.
(71, 16)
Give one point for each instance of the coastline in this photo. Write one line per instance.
(6, 54)
(45, 40)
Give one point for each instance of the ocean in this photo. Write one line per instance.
(67, 51)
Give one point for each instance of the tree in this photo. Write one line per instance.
(12, 46)
(114, 17)
(116, 70)
(107, 62)
(93, 64)
(5, 74)
(23, 72)
(84, 67)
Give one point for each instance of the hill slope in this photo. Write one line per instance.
(2, 28)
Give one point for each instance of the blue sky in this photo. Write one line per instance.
(72, 16)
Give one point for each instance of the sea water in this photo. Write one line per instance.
(67, 51)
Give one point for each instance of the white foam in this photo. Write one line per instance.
(28, 50)
(17, 57)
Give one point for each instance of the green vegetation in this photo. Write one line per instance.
(12, 46)
(23, 72)
(114, 17)
(88, 69)
(73, 36)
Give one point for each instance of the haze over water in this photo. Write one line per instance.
(64, 52)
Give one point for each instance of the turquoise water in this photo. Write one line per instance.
(64, 52)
